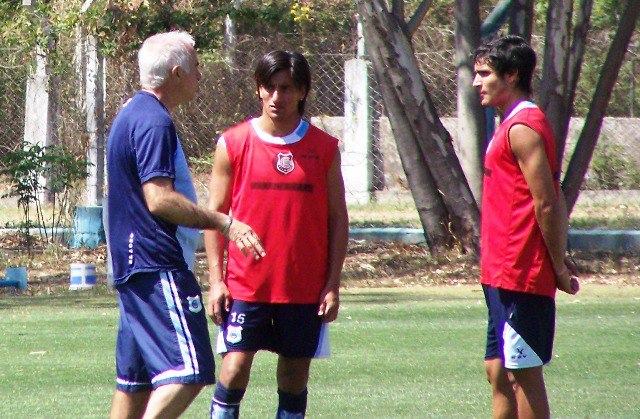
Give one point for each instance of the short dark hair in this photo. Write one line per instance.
(508, 54)
(274, 61)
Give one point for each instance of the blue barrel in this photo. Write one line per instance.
(15, 277)
(88, 228)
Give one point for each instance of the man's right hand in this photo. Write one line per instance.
(218, 301)
(567, 279)
(246, 239)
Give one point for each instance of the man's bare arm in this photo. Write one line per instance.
(550, 208)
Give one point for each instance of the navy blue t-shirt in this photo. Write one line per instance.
(142, 145)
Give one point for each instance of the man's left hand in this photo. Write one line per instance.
(329, 305)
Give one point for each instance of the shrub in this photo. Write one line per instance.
(36, 173)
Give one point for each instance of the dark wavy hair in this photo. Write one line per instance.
(274, 61)
(507, 55)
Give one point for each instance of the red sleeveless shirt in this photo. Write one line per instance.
(513, 252)
(280, 190)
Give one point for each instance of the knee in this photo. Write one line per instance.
(293, 373)
(235, 374)
(293, 368)
(498, 377)
(492, 372)
(293, 376)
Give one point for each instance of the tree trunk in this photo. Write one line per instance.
(554, 89)
(471, 121)
(521, 18)
(589, 136)
(578, 44)
(418, 130)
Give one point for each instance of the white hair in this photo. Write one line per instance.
(160, 53)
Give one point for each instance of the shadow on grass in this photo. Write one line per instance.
(381, 297)
(82, 299)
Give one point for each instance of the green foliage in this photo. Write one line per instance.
(35, 170)
(201, 165)
(606, 14)
(123, 26)
(38, 28)
(611, 168)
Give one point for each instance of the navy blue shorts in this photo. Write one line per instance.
(521, 327)
(291, 330)
(163, 336)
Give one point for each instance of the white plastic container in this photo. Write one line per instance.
(83, 276)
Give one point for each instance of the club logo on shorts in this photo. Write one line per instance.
(520, 354)
(195, 305)
(284, 163)
(234, 334)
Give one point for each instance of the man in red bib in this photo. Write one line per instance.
(524, 232)
(282, 176)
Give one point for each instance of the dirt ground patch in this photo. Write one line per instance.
(367, 264)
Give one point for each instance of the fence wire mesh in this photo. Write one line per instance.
(13, 74)
(227, 96)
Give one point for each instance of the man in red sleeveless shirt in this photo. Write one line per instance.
(282, 176)
(524, 232)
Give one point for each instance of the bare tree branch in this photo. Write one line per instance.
(496, 18)
(418, 17)
(521, 18)
(397, 9)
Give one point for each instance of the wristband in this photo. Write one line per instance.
(227, 226)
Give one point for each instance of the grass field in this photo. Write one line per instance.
(411, 352)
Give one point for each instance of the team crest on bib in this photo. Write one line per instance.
(195, 305)
(284, 163)
(234, 334)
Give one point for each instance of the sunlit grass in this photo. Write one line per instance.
(410, 352)
(589, 213)
(11, 215)
(606, 216)
(386, 214)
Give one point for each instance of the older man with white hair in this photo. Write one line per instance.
(163, 350)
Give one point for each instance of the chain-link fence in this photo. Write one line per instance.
(227, 96)
(13, 73)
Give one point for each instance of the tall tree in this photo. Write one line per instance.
(554, 85)
(438, 186)
(589, 135)
(564, 53)
(521, 18)
(443, 198)
(471, 137)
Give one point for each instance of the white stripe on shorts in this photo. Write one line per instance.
(517, 353)
(183, 334)
(124, 382)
